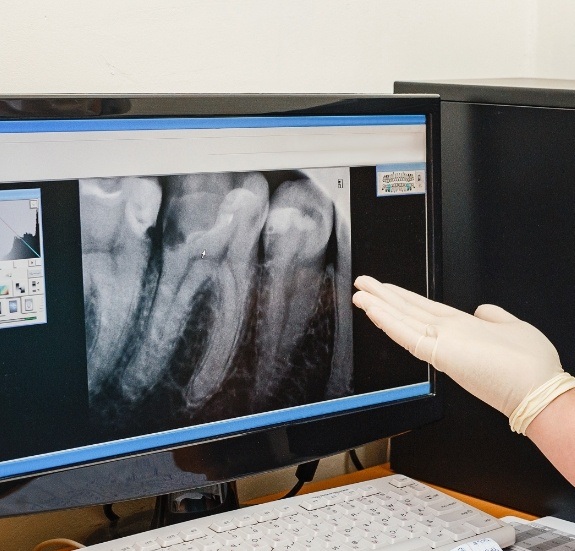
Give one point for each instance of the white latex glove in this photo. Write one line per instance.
(495, 356)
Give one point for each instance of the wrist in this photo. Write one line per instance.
(538, 399)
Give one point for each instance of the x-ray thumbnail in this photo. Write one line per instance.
(214, 295)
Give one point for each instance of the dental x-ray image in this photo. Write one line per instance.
(215, 295)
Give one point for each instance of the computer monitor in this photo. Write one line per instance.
(176, 277)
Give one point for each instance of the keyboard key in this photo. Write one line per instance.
(412, 545)
(376, 514)
(430, 497)
(455, 517)
(411, 502)
(312, 503)
(368, 490)
(437, 538)
(333, 511)
(481, 524)
(272, 526)
(266, 514)
(350, 493)
(285, 510)
(368, 529)
(223, 524)
(415, 530)
(279, 539)
(330, 538)
(397, 534)
(169, 540)
(245, 520)
(444, 506)
(366, 502)
(337, 547)
(404, 516)
(191, 533)
(148, 545)
(431, 523)
(300, 533)
(397, 493)
(293, 520)
(290, 547)
(457, 532)
(417, 489)
(229, 538)
(334, 498)
(348, 532)
(207, 543)
(400, 481)
(250, 532)
(380, 540)
(358, 544)
(260, 542)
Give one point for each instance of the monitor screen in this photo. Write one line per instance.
(175, 287)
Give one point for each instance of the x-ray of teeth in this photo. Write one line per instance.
(214, 295)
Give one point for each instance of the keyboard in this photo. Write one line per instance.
(394, 512)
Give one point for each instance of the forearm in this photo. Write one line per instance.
(553, 432)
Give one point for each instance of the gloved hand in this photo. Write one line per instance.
(502, 360)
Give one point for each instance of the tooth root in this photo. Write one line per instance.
(114, 257)
(340, 382)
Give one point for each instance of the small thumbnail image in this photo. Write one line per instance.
(13, 306)
(28, 304)
(5, 288)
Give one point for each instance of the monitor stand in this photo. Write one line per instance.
(169, 509)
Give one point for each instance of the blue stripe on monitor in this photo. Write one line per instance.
(401, 166)
(178, 436)
(90, 125)
(15, 194)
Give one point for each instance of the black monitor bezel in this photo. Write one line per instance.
(239, 455)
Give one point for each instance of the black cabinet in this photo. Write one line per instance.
(508, 199)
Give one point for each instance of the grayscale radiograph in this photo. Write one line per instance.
(215, 295)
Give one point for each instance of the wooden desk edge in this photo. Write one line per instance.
(378, 471)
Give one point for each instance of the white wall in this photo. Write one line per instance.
(555, 39)
(260, 45)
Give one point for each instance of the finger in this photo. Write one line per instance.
(490, 312)
(419, 322)
(435, 308)
(387, 290)
(424, 310)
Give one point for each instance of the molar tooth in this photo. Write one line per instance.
(296, 235)
(114, 257)
(221, 214)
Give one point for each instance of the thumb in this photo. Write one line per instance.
(490, 312)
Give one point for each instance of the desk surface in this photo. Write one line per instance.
(384, 470)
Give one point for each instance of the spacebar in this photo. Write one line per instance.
(410, 545)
